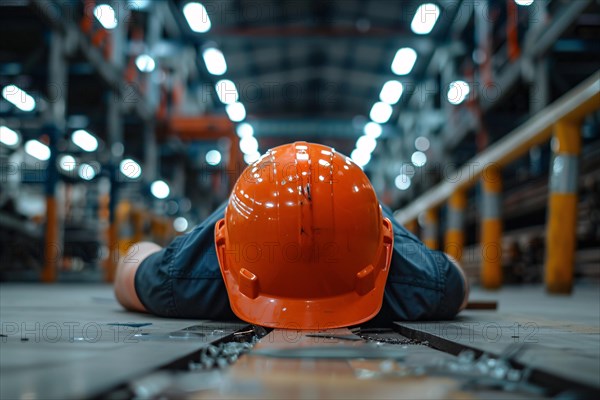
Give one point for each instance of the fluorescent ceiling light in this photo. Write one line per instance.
(404, 61)
(197, 17)
(402, 182)
(372, 129)
(236, 111)
(381, 112)
(215, 61)
(525, 3)
(244, 129)
(360, 158)
(38, 150)
(180, 224)
(252, 157)
(145, 63)
(227, 91)
(422, 143)
(458, 92)
(8, 137)
(425, 18)
(160, 189)
(18, 97)
(213, 157)
(87, 172)
(130, 168)
(366, 144)
(418, 159)
(106, 15)
(85, 140)
(391, 92)
(249, 145)
(67, 163)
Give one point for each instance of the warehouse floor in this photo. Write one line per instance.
(74, 340)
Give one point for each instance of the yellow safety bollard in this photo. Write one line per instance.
(491, 228)
(455, 230)
(561, 234)
(430, 230)
(411, 226)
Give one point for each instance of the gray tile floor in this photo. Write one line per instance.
(58, 341)
(555, 335)
(72, 351)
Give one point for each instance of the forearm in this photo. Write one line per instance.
(465, 280)
(125, 277)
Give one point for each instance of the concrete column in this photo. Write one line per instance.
(561, 234)
(430, 230)
(455, 234)
(491, 228)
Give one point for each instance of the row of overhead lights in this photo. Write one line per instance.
(248, 145)
(422, 23)
(106, 15)
(11, 138)
(404, 60)
(199, 21)
(457, 93)
(67, 163)
(418, 159)
(86, 171)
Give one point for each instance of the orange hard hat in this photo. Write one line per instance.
(303, 244)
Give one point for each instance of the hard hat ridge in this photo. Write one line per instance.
(303, 244)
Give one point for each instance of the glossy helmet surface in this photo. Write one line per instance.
(303, 244)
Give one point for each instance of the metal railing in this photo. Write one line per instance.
(575, 104)
(563, 120)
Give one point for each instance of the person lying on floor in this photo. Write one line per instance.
(302, 243)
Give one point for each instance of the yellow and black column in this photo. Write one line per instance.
(430, 229)
(455, 233)
(561, 234)
(491, 227)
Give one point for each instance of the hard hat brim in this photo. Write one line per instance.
(305, 314)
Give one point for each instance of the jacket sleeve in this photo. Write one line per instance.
(184, 279)
(422, 283)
